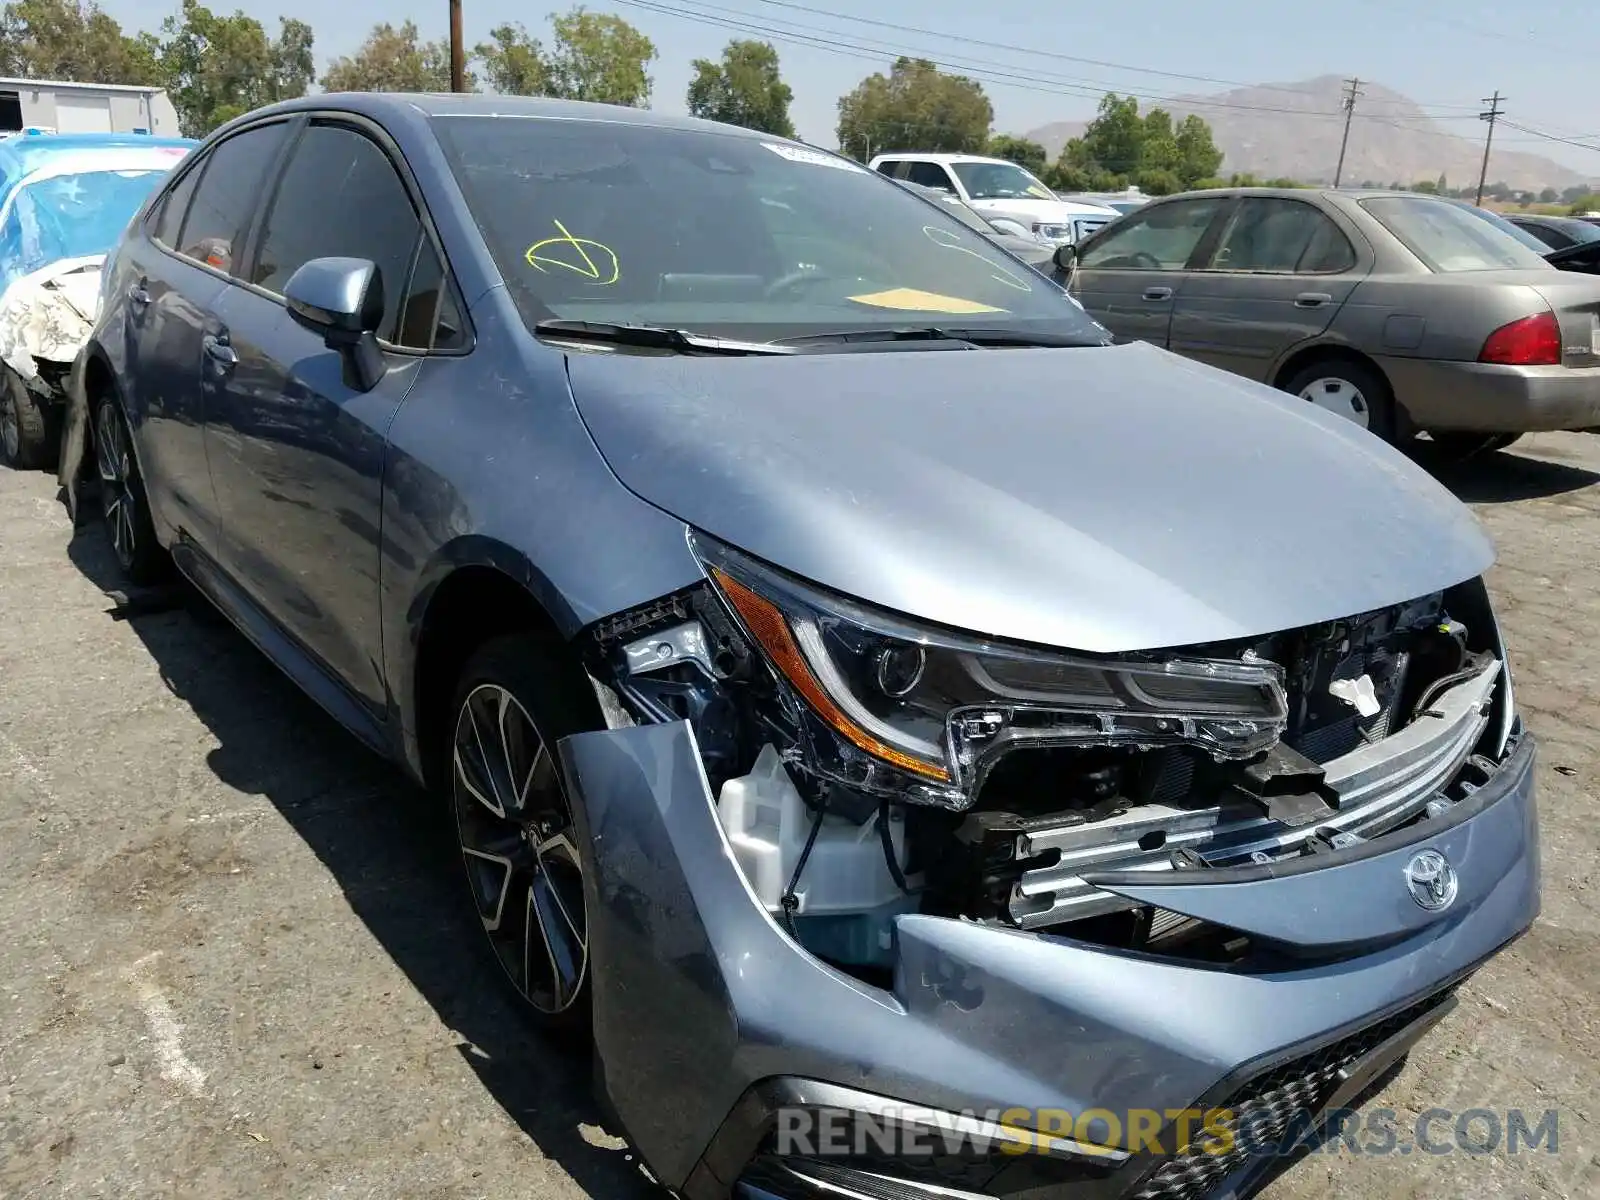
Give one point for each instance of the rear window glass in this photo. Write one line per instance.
(1449, 237)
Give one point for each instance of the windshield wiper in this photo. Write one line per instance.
(656, 336)
(976, 336)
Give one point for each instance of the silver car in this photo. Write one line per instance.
(1400, 312)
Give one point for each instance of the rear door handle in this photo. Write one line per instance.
(219, 351)
(137, 296)
(1312, 299)
(1158, 293)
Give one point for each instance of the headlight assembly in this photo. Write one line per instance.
(892, 706)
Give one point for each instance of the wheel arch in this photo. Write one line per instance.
(1303, 356)
(480, 590)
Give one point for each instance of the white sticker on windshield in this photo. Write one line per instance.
(816, 158)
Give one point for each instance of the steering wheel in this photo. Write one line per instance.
(792, 281)
(1145, 261)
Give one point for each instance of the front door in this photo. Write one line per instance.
(297, 447)
(1279, 272)
(1129, 277)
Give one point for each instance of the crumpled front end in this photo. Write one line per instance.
(1232, 880)
(46, 318)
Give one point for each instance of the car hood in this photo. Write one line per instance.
(1102, 499)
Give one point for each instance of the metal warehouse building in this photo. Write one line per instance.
(60, 107)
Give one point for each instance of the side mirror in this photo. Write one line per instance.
(342, 299)
(1065, 257)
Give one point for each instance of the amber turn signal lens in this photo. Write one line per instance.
(769, 627)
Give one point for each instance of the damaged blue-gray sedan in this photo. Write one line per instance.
(935, 749)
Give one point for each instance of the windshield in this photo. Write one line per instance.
(999, 181)
(71, 216)
(727, 234)
(1452, 237)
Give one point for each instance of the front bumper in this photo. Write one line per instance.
(704, 1010)
(1494, 399)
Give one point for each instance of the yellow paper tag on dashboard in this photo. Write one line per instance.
(916, 300)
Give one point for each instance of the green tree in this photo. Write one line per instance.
(1158, 182)
(1584, 203)
(515, 61)
(393, 60)
(914, 107)
(599, 57)
(1198, 156)
(745, 89)
(1426, 186)
(1113, 141)
(218, 67)
(1025, 152)
(72, 40)
(1158, 147)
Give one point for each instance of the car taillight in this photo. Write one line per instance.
(1531, 342)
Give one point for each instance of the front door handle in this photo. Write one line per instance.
(219, 351)
(137, 296)
(1312, 299)
(1158, 293)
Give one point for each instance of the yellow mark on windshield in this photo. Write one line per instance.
(916, 300)
(999, 272)
(1042, 193)
(593, 260)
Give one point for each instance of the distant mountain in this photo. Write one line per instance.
(1262, 131)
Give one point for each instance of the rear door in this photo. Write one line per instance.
(1279, 271)
(297, 447)
(1129, 276)
(172, 278)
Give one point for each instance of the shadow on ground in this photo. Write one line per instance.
(386, 843)
(1501, 476)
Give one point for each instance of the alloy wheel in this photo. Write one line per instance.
(519, 848)
(1339, 396)
(115, 461)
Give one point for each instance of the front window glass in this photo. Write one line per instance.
(999, 181)
(727, 234)
(1159, 238)
(1449, 237)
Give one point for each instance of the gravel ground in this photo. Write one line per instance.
(233, 961)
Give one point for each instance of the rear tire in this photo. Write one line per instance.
(516, 698)
(123, 503)
(28, 430)
(1351, 389)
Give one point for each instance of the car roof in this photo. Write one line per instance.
(942, 157)
(23, 154)
(398, 105)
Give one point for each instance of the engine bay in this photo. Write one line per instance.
(1357, 728)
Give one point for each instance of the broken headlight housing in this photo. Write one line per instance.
(884, 704)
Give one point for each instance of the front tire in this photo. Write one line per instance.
(123, 503)
(1350, 389)
(516, 698)
(27, 427)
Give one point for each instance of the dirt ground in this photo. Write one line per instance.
(233, 960)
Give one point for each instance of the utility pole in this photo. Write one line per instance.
(458, 53)
(1492, 115)
(1352, 89)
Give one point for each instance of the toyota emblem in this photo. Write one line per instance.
(1431, 880)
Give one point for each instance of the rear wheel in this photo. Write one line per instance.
(1349, 389)
(27, 427)
(519, 845)
(122, 498)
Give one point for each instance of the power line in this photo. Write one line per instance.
(1491, 116)
(1352, 91)
(985, 71)
(1550, 137)
(1015, 49)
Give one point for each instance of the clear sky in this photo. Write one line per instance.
(1446, 56)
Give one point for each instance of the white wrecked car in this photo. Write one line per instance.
(65, 200)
